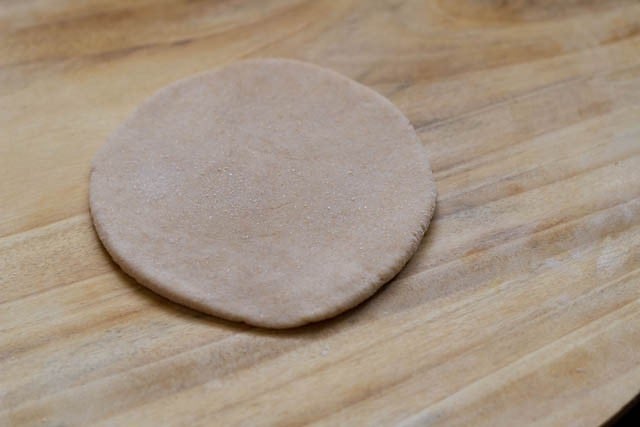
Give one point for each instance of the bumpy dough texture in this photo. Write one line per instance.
(271, 192)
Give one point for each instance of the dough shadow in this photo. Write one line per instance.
(176, 310)
(167, 306)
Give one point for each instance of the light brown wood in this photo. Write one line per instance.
(522, 305)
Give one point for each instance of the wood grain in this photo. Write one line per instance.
(521, 306)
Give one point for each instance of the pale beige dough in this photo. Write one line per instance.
(271, 192)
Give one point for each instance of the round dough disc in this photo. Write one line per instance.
(271, 192)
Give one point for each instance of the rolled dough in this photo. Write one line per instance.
(271, 192)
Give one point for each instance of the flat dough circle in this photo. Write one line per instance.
(271, 192)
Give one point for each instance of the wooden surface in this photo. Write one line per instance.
(521, 305)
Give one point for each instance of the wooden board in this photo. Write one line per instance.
(521, 306)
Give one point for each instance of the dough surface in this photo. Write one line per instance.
(271, 192)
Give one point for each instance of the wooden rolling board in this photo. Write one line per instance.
(522, 304)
